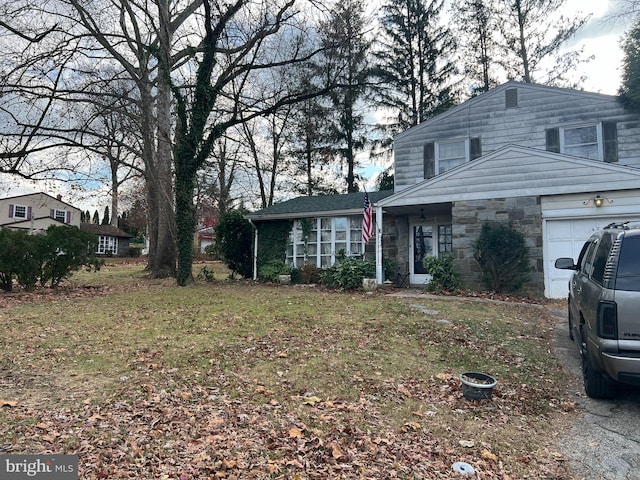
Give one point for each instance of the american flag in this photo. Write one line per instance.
(367, 220)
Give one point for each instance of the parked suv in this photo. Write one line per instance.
(604, 308)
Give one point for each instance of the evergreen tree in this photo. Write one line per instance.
(346, 43)
(477, 29)
(87, 216)
(415, 62)
(533, 32)
(106, 218)
(630, 86)
(96, 218)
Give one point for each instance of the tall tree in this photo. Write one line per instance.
(533, 32)
(415, 62)
(476, 22)
(347, 128)
(629, 91)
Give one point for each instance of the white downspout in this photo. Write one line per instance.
(379, 270)
(255, 250)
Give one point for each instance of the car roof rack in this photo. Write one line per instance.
(623, 225)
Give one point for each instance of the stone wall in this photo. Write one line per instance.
(523, 212)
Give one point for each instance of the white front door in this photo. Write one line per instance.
(421, 242)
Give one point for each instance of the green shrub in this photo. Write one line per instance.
(234, 235)
(390, 268)
(347, 273)
(206, 274)
(271, 270)
(443, 276)
(503, 256)
(11, 252)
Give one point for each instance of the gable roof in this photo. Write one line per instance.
(41, 194)
(318, 206)
(105, 230)
(515, 171)
(499, 90)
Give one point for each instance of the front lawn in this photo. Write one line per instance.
(142, 379)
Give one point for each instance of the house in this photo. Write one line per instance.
(35, 212)
(314, 230)
(111, 240)
(556, 163)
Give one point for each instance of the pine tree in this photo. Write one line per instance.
(106, 218)
(533, 32)
(477, 30)
(96, 218)
(630, 86)
(415, 62)
(347, 45)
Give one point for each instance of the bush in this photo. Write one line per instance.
(271, 270)
(32, 259)
(443, 277)
(390, 268)
(233, 242)
(348, 273)
(206, 274)
(503, 256)
(309, 274)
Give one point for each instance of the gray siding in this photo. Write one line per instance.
(538, 108)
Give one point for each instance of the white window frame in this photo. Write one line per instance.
(20, 217)
(57, 212)
(438, 144)
(107, 245)
(295, 245)
(599, 137)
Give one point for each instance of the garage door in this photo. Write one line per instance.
(564, 238)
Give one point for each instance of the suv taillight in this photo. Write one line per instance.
(608, 320)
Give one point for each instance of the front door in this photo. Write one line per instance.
(421, 246)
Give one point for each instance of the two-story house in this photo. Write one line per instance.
(35, 212)
(557, 163)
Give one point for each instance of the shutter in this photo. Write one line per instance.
(11, 210)
(475, 148)
(429, 160)
(610, 137)
(29, 213)
(67, 217)
(553, 140)
(52, 213)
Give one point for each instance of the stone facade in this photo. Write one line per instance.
(526, 216)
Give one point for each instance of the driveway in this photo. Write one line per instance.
(604, 442)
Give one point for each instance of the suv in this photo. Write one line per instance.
(604, 308)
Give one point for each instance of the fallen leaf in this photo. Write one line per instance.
(487, 455)
(311, 400)
(295, 432)
(413, 426)
(402, 389)
(8, 403)
(444, 376)
(467, 443)
(282, 354)
(336, 452)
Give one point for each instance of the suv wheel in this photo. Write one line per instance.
(595, 384)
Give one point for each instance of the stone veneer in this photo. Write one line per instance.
(523, 212)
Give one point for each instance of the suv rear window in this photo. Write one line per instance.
(628, 277)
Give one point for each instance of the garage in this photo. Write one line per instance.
(569, 220)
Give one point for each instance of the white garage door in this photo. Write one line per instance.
(564, 238)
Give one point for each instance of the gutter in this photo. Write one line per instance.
(255, 249)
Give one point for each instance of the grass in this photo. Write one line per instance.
(275, 381)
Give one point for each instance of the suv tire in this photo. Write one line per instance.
(595, 384)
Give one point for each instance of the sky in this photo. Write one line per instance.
(600, 37)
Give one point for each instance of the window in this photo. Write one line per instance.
(20, 212)
(595, 141)
(329, 238)
(445, 240)
(60, 215)
(107, 245)
(438, 157)
(581, 142)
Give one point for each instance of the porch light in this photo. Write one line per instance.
(597, 201)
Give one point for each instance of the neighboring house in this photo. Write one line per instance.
(334, 224)
(557, 163)
(111, 240)
(35, 212)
